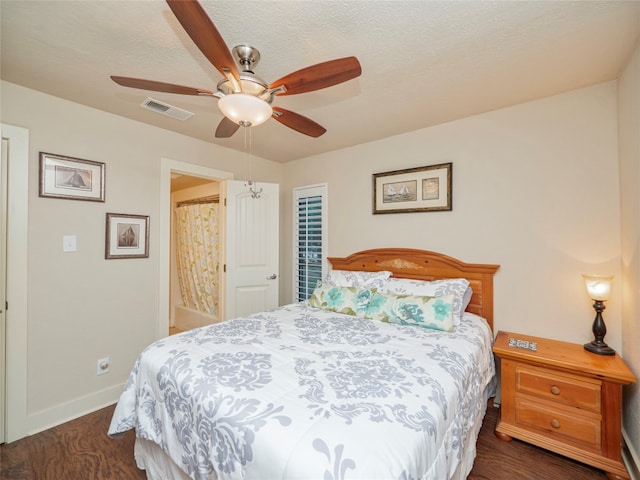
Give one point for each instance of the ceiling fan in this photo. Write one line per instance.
(244, 98)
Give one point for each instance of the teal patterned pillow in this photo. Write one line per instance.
(437, 288)
(427, 312)
(349, 300)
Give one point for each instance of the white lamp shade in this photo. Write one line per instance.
(598, 286)
(245, 110)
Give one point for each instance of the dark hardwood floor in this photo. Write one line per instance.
(77, 450)
(81, 450)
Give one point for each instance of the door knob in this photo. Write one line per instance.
(273, 276)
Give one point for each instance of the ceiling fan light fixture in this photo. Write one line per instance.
(244, 109)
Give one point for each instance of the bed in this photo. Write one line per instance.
(336, 388)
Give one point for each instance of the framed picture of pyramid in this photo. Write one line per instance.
(127, 236)
(71, 178)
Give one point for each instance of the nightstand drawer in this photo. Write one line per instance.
(562, 389)
(556, 423)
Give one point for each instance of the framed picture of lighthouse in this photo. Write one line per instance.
(420, 189)
(127, 236)
(71, 178)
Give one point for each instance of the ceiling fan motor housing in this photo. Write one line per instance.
(250, 83)
(246, 56)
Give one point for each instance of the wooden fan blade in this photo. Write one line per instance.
(159, 86)
(205, 35)
(298, 122)
(226, 128)
(319, 76)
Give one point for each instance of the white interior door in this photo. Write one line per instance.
(250, 249)
(16, 280)
(3, 276)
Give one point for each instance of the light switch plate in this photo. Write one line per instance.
(69, 243)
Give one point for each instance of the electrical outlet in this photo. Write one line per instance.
(103, 366)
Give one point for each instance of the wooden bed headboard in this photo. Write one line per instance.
(426, 265)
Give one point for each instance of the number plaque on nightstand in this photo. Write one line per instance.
(519, 343)
(563, 398)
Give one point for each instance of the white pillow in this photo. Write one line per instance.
(438, 288)
(358, 279)
(466, 298)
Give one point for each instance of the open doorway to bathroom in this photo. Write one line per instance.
(194, 296)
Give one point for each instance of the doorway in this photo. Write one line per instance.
(250, 249)
(173, 171)
(196, 234)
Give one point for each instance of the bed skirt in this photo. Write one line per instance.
(158, 466)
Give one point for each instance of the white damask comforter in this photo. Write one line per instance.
(303, 393)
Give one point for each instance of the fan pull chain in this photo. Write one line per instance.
(255, 193)
(246, 153)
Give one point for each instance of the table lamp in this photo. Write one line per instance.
(599, 288)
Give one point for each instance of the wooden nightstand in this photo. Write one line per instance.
(563, 398)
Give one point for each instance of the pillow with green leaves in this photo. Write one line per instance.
(421, 311)
(348, 300)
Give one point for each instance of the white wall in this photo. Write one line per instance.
(82, 307)
(535, 189)
(629, 144)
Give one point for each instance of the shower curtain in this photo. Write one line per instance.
(197, 256)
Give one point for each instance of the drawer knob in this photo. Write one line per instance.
(555, 423)
(555, 390)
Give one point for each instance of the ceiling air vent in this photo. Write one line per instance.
(165, 109)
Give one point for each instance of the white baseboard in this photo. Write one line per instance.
(631, 457)
(51, 417)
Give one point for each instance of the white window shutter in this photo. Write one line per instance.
(309, 260)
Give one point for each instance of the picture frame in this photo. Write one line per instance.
(127, 236)
(71, 178)
(420, 189)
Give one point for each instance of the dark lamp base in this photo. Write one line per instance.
(599, 348)
(597, 345)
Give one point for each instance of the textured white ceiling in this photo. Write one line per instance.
(423, 62)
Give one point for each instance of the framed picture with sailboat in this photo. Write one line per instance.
(127, 236)
(71, 178)
(420, 189)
